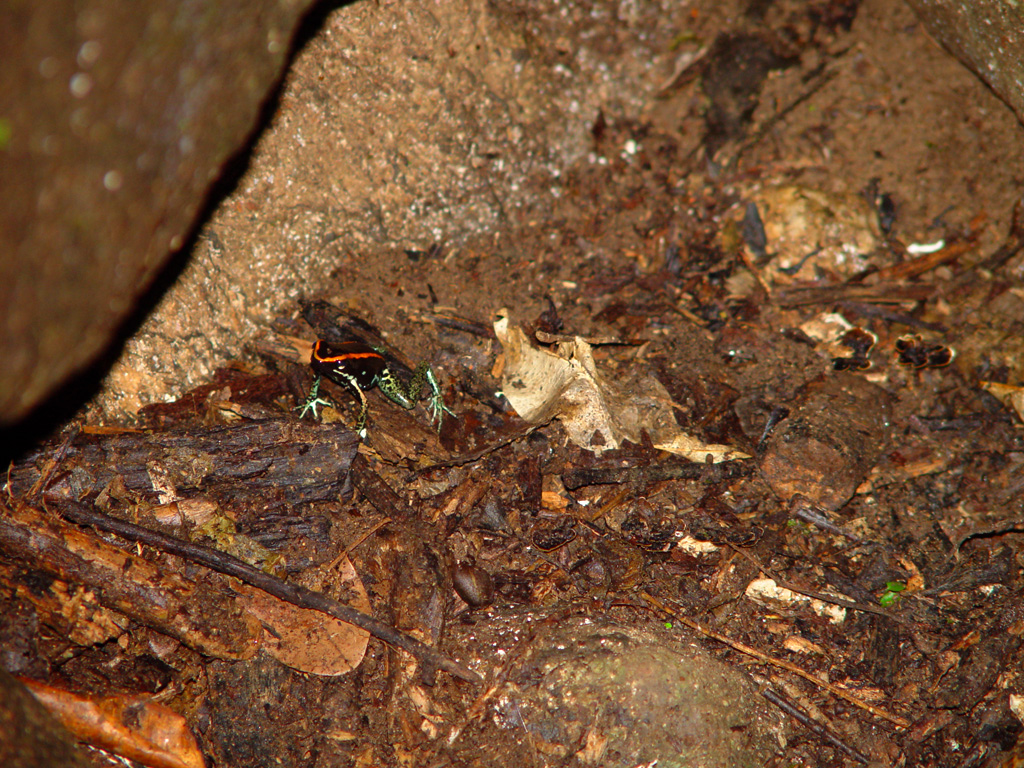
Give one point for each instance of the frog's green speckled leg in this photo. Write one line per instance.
(363, 408)
(408, 396)
(437, 407)
(313, 400)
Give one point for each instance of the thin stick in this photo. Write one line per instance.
(55, 459)
(751, 651)
(291, 593)
(795, 712)
(811, 513)
(361, 539)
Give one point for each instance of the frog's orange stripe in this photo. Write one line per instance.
(343, 357)
(352, 356)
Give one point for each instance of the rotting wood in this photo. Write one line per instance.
(309, 460)
(205, 619)
(292, 593)
(656, 473)
(377, 492)
(419, 583)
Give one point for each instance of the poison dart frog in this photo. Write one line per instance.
(360, 367)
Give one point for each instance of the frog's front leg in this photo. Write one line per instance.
(424, 375)
(364, 406)
(313, 400)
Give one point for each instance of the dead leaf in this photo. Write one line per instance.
(593, 748)
(308, 640)
(597, 414)
(1011, 397)
(766, 592)
(134, 727)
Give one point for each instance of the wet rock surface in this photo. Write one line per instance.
(614, 695)
(118, 121)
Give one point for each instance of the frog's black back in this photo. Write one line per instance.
(348, 362)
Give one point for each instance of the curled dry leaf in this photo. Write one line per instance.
(1011, 397)
(308, 640)
(810, 229)
(597, 414)
(134, 727)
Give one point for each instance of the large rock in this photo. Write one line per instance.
(116, 120)
(987, 36)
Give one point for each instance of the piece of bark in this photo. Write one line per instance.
(70, 610)
(284, 460)
(292, 593)
(834, 435)
(203, 616)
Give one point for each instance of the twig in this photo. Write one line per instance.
(446, 320)
(52, 463)
(656, 473)
(822, 78)
(348, 550)
(751, 651)
(809, 512)
(915, 267)
(819, 730)
(883, 293)
(465, 458)
(291, 593)
(1010, 248)
(862, 309)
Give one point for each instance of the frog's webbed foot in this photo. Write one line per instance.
(437, 407)
(313, 400)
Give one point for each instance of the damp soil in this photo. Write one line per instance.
(871, 539)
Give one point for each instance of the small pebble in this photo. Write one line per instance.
(474, 585)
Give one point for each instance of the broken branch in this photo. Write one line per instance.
(292, 593)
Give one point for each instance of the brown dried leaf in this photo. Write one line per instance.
(308, 640)
(134, 727)
(597, 414)
(1011, 397)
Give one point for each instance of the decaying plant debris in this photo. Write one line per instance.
(554, 527)
(781, 461)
